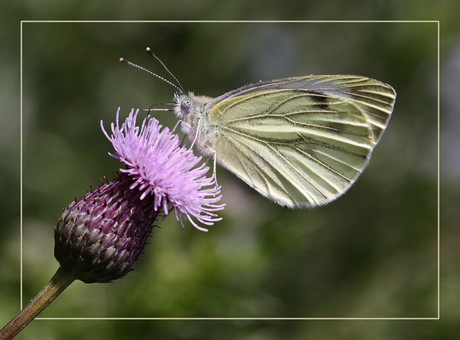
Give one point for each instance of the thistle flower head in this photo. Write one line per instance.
(102, 235)
(160, 166)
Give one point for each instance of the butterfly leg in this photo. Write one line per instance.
(177, 124)
(214, 172)
(215, 162)
(197, 133)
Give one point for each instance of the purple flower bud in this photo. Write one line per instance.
(102, 235)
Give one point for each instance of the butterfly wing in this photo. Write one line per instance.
(301, 141)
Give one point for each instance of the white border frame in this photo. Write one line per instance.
(231, 21)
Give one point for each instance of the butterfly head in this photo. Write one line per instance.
(183, 105)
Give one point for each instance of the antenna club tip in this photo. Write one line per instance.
(123, 60)
(148, 49)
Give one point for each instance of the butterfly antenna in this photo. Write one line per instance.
(164, 66)
(154, 74)
(156, 109)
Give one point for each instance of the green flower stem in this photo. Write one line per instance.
(60, 281)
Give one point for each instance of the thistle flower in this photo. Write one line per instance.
(100, 236)
(160, 166)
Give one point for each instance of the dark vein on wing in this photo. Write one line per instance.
(261, 175)
(288, 162)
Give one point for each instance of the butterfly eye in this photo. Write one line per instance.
(186, 105)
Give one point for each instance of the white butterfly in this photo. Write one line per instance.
(301, 142)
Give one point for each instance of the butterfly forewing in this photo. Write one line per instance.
(374, 98)
(301, 141)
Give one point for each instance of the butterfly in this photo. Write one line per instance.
(300, 142)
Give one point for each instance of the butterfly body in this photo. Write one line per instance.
(194, 121)
(300, 141)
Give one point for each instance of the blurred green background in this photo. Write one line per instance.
(370, 254)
